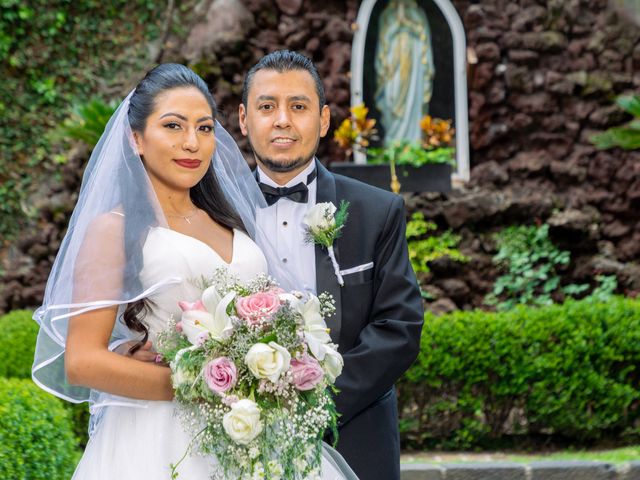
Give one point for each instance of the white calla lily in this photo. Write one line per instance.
(314, 324)
(316, 347)
(333, 363)
(217, 324)
(195, 322)
(211, 298)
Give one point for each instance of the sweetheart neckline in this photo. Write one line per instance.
(209, 247)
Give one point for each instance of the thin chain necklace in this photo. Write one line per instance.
(185, 217)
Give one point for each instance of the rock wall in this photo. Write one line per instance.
(546, 77)
(545, 80)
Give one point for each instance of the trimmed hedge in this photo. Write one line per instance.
(18, 333)
(568, 372)
(36, 435)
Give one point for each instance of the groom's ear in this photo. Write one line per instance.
(242, 119)
(325, 120)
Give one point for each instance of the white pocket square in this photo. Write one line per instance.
(359, 268)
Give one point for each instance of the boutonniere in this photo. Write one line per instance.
(323, 224)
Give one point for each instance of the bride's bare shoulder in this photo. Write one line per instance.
(106, 227)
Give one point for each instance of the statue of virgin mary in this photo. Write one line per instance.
(404, 70)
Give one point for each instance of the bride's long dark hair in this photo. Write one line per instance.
(206, 194)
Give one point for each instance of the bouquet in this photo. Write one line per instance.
(253, 369)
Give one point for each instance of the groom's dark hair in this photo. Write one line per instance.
(284, 61)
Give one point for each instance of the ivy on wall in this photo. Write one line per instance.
(53, 55)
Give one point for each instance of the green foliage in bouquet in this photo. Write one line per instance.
(18, 333)
(36, 436)
(626, 136)
(485, 379)
(424, 250)
(531, 262)
(410, 153)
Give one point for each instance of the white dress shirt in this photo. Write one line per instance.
(282, 221)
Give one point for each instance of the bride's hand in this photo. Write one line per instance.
(144, 353)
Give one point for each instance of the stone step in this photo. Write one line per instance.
(544, 470)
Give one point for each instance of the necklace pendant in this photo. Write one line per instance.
(187, 220)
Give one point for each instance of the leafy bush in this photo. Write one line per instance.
(18, 333)
(626, 136)
(36, 439)
(423, 250)
(531, 261)
(567, 371)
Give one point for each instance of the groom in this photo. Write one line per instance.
(379, 310)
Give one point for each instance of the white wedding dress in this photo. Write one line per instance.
(140, 440)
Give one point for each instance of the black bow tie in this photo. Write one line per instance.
(297, 193)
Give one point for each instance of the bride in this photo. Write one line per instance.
(166, 199)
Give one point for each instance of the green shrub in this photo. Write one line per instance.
(18, 333)
(80, 415)
(567, 371)
(36, 438)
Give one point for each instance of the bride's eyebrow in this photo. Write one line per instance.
(182, 117)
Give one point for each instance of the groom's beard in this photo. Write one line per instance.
(286, 165)
(282, 167)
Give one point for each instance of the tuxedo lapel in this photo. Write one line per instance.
(326, 280)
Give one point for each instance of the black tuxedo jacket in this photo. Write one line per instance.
(377, 323)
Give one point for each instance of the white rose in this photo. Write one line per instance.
(268, 361)
(243, 423)
(320, 216)
(333, 363)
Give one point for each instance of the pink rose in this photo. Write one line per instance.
(257, 306)
(220, 374)
(306, 372)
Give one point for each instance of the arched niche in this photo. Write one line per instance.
(450, 83)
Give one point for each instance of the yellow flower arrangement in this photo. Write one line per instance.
(356, 131)
(437, 132)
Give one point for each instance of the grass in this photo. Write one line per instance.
(618, 455)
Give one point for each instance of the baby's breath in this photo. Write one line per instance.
(290, 443)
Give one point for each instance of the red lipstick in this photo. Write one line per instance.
(188, 162)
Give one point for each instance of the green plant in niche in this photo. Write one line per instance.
(410, 153)
(530, 260)
(423, 250)
(626, 136)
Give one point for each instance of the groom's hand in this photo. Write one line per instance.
(144, 353)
